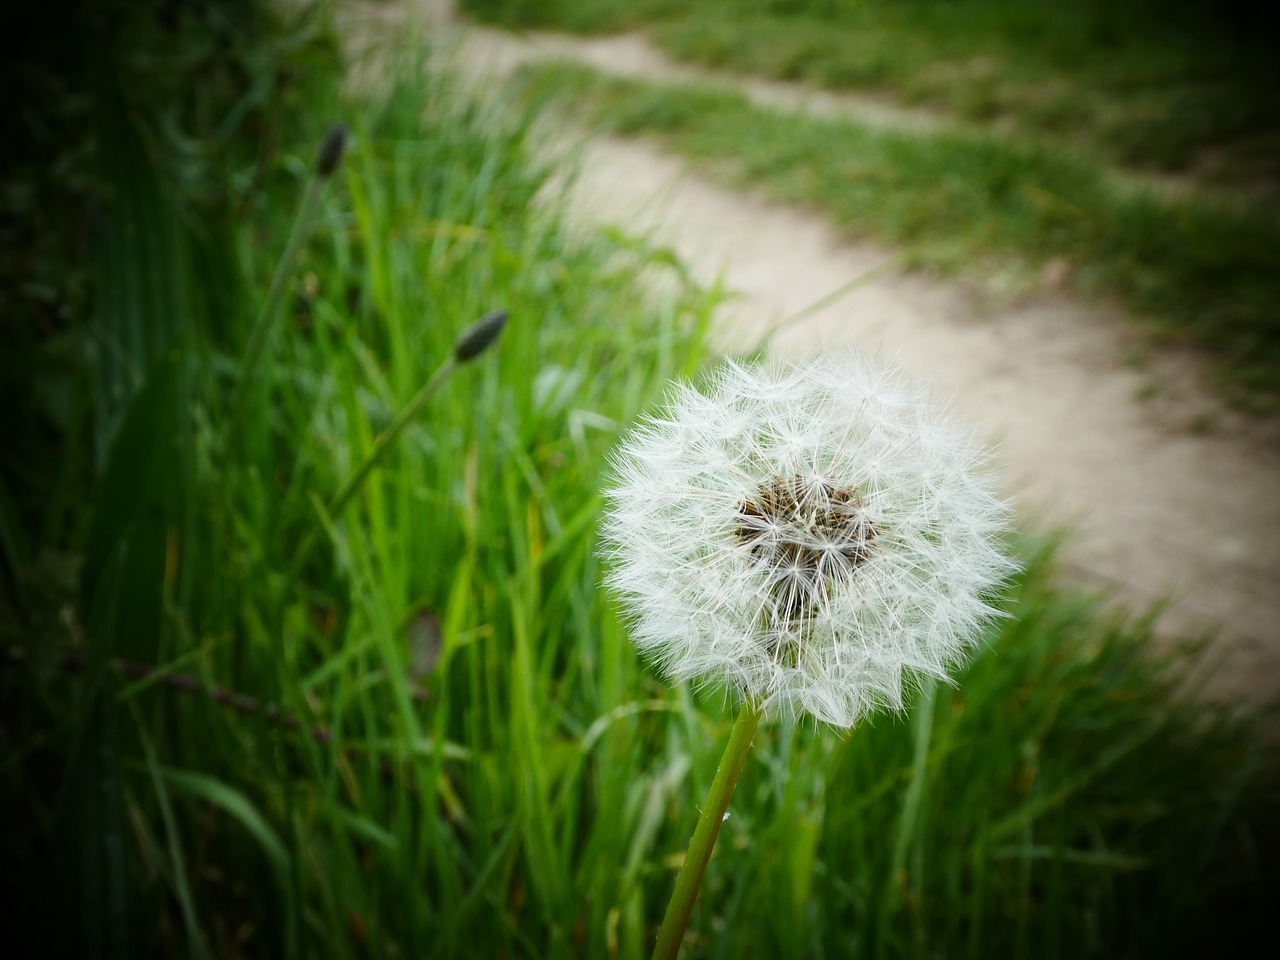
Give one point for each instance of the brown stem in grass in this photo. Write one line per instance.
(241, 702)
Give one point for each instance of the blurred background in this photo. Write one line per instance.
(273, 689)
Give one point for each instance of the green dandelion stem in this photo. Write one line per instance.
(689, 879)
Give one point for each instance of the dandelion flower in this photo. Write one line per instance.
(815, 536)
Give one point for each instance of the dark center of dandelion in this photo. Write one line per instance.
(806, 536)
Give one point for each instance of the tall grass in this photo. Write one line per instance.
(430, 736)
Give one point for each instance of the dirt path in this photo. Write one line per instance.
(1169, 495)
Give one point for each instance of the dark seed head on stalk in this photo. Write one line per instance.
(804, 535)
(478, 337)
(332, 148)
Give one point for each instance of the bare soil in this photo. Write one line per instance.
(1170, 497)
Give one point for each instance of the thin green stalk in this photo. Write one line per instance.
(407, 414)
(689, 879)
(827, 299)
(472, 342)
(327, 161)
(271, 305)
(380, 445)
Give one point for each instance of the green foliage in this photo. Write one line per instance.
(429, 735)
(117, 203)
(1029, 810)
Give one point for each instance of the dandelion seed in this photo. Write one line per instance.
(814, 537)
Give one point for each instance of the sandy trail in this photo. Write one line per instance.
(1170, 496)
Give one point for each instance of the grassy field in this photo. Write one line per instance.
(429, 734)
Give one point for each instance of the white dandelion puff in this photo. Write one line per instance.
(815, 536)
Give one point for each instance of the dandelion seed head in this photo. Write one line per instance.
(813, 536)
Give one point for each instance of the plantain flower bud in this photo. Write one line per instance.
(332, 147)
(478, 337)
